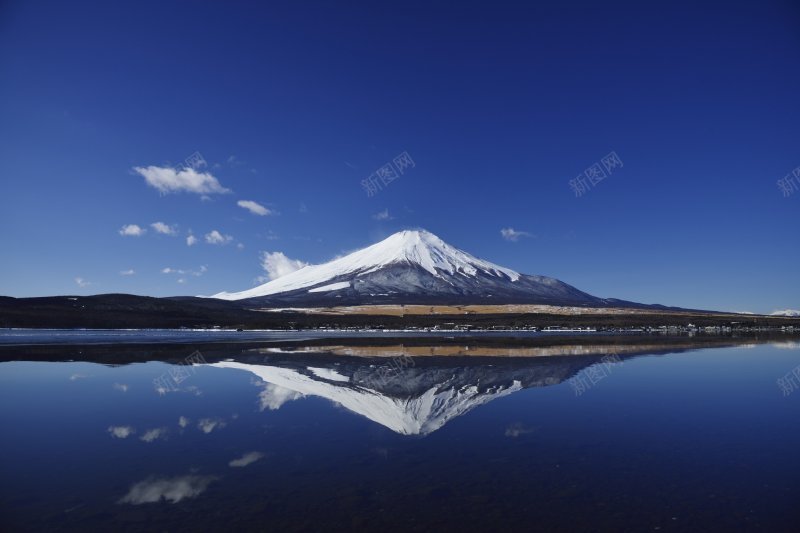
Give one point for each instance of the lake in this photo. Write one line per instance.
(567, 434)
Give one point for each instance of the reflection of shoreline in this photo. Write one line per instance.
(382, 346)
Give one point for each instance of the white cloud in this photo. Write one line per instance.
(121, 432)
(273, 396)
(246, 459)
(132, 230)
(121, 387)
(75, 377)
(383, 215)
(785, 312)
(276, 264)
(168, 180)
(254, 207)
(207, 425)
(82, 282)
(191, 240)
(164, 229)
(510, 234)
(181, 280)
(129, 272)
(182, 272)
(183, 421)
(216, 237)
(515, 430)
(153, 434)
(153, 490)
(239, 246)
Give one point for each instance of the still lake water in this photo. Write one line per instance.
(698, 440)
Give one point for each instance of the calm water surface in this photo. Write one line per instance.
(700, 440)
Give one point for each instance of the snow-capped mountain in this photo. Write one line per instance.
(411, 267)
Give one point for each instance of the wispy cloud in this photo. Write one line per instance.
(191, 240)
(153, 434)
(121, 432)
(207, 425)
(153, 490)
(197, 273)
(164, 229)
(215, 237)
(276, 264)
(254, 207)
(382, 215)
(246, 459)
(122, 387)
(235, 161)
(510, 234)
(129, 272)
(517, 429)
(82, 282)
(132, 230)
(169, 180)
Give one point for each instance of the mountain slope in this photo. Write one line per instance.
(410, 267)
(407, 248)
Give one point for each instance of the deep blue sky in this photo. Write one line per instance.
(293, 104)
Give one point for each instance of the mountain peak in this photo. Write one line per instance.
(410, 239)
(424, 249)
(415, 234)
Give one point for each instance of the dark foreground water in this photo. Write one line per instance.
(702, 440)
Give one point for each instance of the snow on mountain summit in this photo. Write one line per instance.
(425, 249)
(418, 248)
